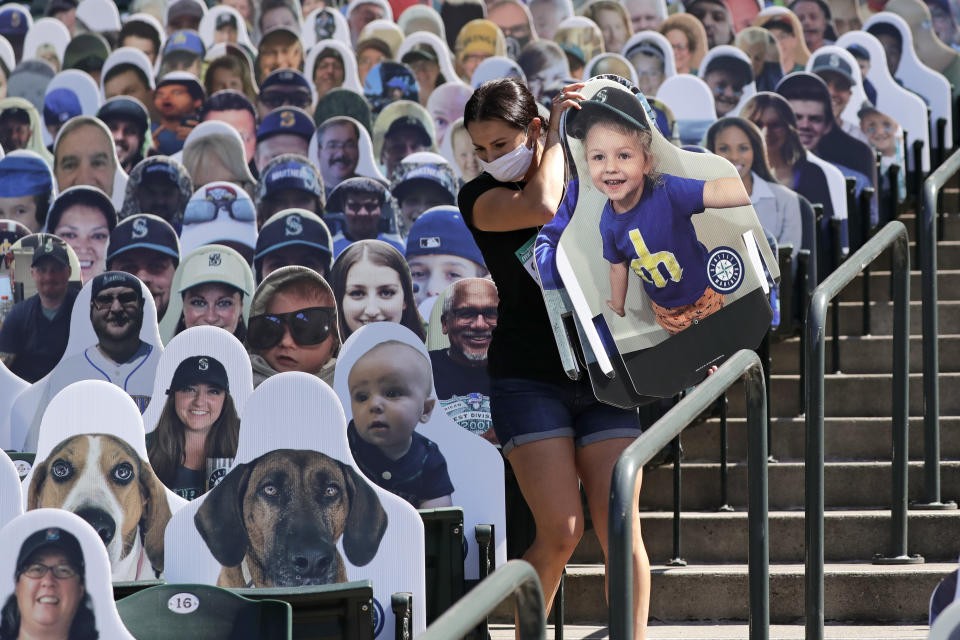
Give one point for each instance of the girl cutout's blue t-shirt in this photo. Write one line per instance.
(657, 240)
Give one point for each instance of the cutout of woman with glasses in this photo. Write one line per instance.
(199, 421)
(50, 599)
(293, 325)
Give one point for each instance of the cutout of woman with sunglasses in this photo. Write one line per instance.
(293, 325)
(199, 421)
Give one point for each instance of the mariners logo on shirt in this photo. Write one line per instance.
(471, 411)
(724, 270)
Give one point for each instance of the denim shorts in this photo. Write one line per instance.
(525, 411)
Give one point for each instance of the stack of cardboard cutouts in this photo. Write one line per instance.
(295, 510)
(83, 360)
(691, 101)
(905, 107)
(202, 341)
(918, 77)
(671, 285)
(378, 433)
(11, 499)
(92, 460)
(41, 534)
(210, 263)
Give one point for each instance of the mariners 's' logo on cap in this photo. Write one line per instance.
(293, 226)
(724, 270)
(203, 364)
(834, 60)
(139, 229)
(287, 119)
(430, 242)
(214, 260)
(48, 246)
(15, 18)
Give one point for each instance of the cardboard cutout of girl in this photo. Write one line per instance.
(681, 285)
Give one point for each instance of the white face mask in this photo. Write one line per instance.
(511, 166)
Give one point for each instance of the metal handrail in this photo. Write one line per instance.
(894, 234)
(931, 362)
(517, 577)
(743, 365)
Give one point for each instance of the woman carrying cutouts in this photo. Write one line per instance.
(646, 224)
(554, 433)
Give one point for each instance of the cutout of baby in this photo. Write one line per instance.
(390, 394)
(646, 222)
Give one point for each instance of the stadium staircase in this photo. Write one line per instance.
(708, 597)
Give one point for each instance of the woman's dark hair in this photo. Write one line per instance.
(83, 627)
(792, 150)
(382, 254)
(760, 166)
(505, 99)
(167, 449)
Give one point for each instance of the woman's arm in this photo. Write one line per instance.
(508, 210)
(724, 193)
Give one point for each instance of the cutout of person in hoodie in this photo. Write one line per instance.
(293, 325)
(14, 113)
(160, 185)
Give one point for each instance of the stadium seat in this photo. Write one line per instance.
(174, 611)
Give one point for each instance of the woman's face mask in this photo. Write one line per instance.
(513, 165)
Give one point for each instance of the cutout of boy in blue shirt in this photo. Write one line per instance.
(646, 223)
(390, 394)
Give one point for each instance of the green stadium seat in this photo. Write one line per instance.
(176, 611)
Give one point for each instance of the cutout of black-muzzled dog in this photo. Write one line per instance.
(663, 245)
(275, 521)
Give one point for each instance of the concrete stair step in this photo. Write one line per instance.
(844, 438)
(731, 631)
(948, 286)
(859, 485)
(719, 537)
(861, 395)
(948, 256)
(881, 317)
(853, 592)
(867, 354)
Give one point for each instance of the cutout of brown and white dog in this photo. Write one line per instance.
(92, 461)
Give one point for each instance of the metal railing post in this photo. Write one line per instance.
(931, 365)
(893, 234)
(516, 577)
(743, 365)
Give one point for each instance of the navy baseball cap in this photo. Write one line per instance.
(620, 104)
(408, 177)
(859, 52)
(199, 370)
(289, 171)
(59, 106)
(186, 40)
(832, 62)
(144, 231)
(286, 120)
(112, 279)
(51, 247)
(163, 170)
(53, 537)
(285, 78)
(14, 20)
(294, 227)
(442, 231)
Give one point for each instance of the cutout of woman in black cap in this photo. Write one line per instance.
(199, 421)
(50, 599)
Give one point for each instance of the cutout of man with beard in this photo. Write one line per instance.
(460, 371)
